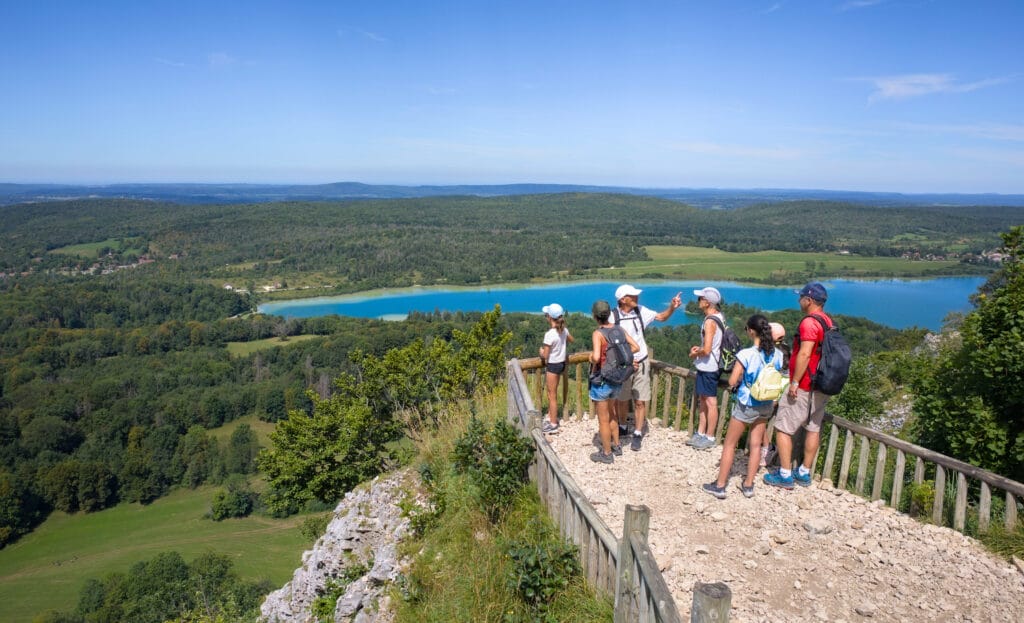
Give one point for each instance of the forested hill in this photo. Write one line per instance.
(359, 245)
(254, 193)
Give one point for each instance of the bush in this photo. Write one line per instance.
(540, 572)
(313, 527)
(237, 500)
(496, 462)
(922, 496)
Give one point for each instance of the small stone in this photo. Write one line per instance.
(817, 526)
(781, 539)
(718, 516)
(749, 564)
(857, 524)
(865, 610)
(797, 585)
(666, 564)
(826, 483)
(597, 498)
(762, 547)
(702, 549)
(856, 543)
(1017, 562)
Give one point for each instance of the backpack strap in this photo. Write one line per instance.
(721, 340)
(618, 317)
(825, 328)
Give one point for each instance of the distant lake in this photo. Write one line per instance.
(893, 302)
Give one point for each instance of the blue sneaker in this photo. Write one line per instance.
(714, 489)
(803, 481)
(776, 480)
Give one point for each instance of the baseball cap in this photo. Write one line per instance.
(814, 290)
(778, 331)
(712, 295)
(601, 308)
(626, 290)
(554, 310)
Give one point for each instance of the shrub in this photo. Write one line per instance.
(541, 571)
(313, 527)
(922, 496)
(496, 461)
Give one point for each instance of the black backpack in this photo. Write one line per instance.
(728, 347)
(834, 364)
(618, 360)
(639, 316)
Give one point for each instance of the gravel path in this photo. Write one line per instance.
(872, 564)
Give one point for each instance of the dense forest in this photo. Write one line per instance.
(115, 369)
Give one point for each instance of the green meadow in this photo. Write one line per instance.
(243, 349)
(92, 249)
(46, 569)
(771, 266)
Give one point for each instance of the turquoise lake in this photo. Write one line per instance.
(895, 302)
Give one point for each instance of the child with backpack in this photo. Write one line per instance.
(552, 353)
(611, 362)
(758, 382)
(706, 359)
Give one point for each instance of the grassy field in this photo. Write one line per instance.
(46, 569)
(91, 249)
(769, 266)
(261, 428)
(241, 349)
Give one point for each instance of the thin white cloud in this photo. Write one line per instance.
(773, 8)
(372, 36)
(987, 131)
(169, 63)
(853, 5)
(917, 85)
(220, 60)
(743, 151)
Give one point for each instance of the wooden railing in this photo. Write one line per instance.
(624, 568)
(962, 493)
(891, 482)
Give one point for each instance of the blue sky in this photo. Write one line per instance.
(877, 95)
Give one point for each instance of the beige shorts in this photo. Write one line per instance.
(638, 386)
(793, 412)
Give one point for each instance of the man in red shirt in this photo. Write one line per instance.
(802, 406)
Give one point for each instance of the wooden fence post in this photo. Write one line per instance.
(711, 603)
(637, 519)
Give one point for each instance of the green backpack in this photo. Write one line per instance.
(769, 384)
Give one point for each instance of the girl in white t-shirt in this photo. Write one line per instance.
(552, 353)
(746, 410)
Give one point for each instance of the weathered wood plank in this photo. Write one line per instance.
(659, 595)
(830, 455)
(940, 495)
(844, 465)
(897, 479)
(680, 396)
(876, 487)
(960, 506)
(666, 413)
(1010, 519)
(636, 521)
(862, 463)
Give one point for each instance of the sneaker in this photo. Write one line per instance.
(601, 457)
(775, 479)
(803, 481)
(693, 439)
(549, 428)
(635, 444)
(712, 488)
(704, 443)
(748, 492)
(617, 450)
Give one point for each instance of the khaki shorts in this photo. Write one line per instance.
(793, 412)
(638, 386)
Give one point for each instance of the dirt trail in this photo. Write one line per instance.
(873, 564)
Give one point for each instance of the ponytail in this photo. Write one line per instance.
(759, 325)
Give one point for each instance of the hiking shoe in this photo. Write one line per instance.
(549, 428)
(775, 479)
(617, 450)
(704, 443)
(712, 488)
(748, 492)
(803, 481)
(693, 439)
(601, 457)
(637, 441)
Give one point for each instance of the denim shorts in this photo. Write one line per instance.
(604, 391)
(707, 383)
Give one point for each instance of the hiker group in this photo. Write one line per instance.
(818, 362)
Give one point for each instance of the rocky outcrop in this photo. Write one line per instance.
(361, 540)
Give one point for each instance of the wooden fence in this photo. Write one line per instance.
(625, 567)
(938, 488)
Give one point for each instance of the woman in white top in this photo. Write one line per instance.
(552, 353)
(746, 410)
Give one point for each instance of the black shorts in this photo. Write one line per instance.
(556, 368)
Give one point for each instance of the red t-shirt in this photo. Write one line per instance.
(808, 331)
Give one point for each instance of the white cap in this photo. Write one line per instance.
(778, 331)
(554, 310)
(626, 290)
(712, 295)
